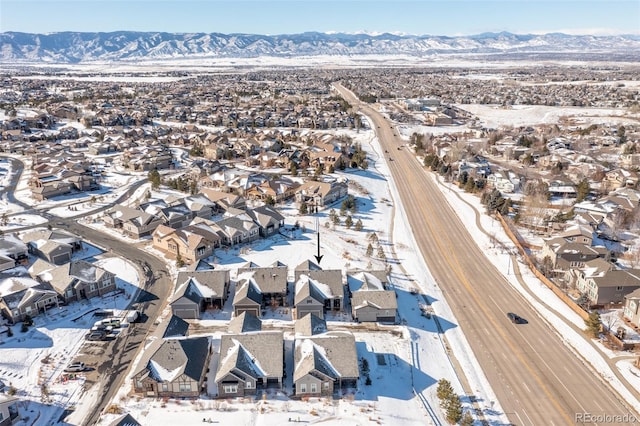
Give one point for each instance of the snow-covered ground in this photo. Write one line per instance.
(415, 354)
(553, 310)
(34, 361)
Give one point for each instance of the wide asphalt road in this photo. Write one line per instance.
(113, 359)
(537, 379)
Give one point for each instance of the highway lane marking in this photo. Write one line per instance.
(458, 271)
(529, 418)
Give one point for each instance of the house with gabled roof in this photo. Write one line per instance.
(609, 288)
(134, 223)
(20, 296)
(238, 229)
(271, 281)
(173, 368)
(268, 219)
(331, 281)
(310, 325)
(320, 194)
(370, 301)
(250, 361)
(324, 363)
(125, 420)
(54, 246)
(191, 243)
(197, 290)
(244, 323)
(308, 298)
(75, 280)
(247, 297)
(631, 311)
(13, 248)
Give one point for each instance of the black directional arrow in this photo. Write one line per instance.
(319, 256)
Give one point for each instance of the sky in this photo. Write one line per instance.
(421, 17)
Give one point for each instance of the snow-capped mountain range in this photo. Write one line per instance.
(84, 47)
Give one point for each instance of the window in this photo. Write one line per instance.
(70, 293)
(165, 387)
(248, 385)
(314, 388)
(230, 388)
(200, 251)
(106, 283)
(303, 387)
(185, 387)
(139, 383)
(619, 288)
(27, 309)
(92, 287)
(309, 301)
(325, 385)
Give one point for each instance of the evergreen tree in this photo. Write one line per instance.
(454, 409)
(293, 169)
(358, 226)
(154, 178)
(369, 252)
(303, 209)
(179, 261)
(270, 201)
(381, 254)
(444, 390)
(467, 419)
(348, 222)
(582, 190)
(594, 324)
(470, 186)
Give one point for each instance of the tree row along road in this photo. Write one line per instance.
(535, 376)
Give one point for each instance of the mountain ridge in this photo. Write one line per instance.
(126, 46)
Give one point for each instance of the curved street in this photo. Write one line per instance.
(536, 377)
(113, 358)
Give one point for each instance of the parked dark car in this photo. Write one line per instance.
(97, 335)
(516, 319)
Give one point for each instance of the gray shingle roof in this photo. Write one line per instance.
(381, 299)
(253, 353)
(310, 325)
(167, 359)
(245, 323)
(330, 353)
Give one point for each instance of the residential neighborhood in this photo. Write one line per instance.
(237, 242)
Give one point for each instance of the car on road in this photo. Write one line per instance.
(75, 367)
(516, 319)
(97, 335)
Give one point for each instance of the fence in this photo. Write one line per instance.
(519, 242)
